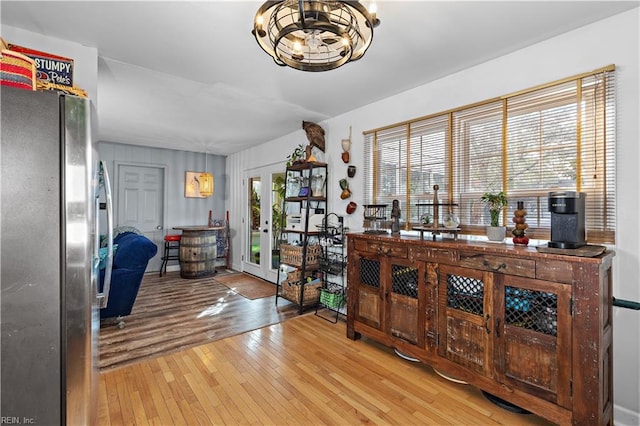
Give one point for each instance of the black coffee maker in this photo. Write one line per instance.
(567, 219)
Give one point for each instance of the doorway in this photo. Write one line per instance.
(264, 195)
(140, 202)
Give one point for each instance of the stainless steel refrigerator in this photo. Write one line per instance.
(49, 198)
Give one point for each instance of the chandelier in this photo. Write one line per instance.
(314, 35)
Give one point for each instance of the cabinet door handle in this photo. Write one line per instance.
(486, 323)
(496, 269)
(498, 327)
(386, 295)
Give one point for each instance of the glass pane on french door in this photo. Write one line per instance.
(253, 231)
(264, 221)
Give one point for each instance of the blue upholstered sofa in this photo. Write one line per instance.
(129, 264)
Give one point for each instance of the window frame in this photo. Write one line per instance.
(458, 154)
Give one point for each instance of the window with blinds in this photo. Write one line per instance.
(555, 137)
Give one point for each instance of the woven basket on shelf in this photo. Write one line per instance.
(45, 85)
(292, 255)
(294, 276)
(292, 292)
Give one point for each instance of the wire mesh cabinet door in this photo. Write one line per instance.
(405, 312)
(465, 318)
(533, 337)
(368, 291)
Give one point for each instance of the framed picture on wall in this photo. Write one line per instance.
(192, 185)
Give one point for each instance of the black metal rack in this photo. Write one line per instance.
(300, 256)
(333, 262)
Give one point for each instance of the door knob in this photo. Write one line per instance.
(159, 227)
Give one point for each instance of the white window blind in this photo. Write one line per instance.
(387, 176)
(429, 163)
(558, 136)
(477, 159)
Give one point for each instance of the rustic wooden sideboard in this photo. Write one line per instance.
(531, 328)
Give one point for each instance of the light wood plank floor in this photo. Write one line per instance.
(303, 371)
(172, 313)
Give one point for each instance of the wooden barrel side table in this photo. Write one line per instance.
(198, 251)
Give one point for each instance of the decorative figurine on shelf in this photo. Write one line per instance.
(315, 134)
(308, 154)
(519, 232)
(395, 216)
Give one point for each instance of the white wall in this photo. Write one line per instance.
(180, 211)
(85, 59)
(611, 41)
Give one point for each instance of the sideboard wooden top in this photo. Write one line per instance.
(483, 246)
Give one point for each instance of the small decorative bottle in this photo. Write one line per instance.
(519, 232)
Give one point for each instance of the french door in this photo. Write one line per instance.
(264, 188)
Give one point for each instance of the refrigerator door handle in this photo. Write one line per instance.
(103, 298)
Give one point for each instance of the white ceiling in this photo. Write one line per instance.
(190, 76)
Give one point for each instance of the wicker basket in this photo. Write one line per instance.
(292, 292)
(295, 276)
(292, 255)
(74, 90)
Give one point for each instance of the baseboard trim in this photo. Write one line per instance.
(625, 417)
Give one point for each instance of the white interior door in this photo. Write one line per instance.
(259, 239)
(140, 203)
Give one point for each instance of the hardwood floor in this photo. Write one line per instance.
(300, 371)
(171, 313)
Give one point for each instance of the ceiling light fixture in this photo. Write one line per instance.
(314, 35)
(206, 181)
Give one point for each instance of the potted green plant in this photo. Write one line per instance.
(495, 202)
(298, 155)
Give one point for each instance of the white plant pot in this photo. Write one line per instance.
(496, 233)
